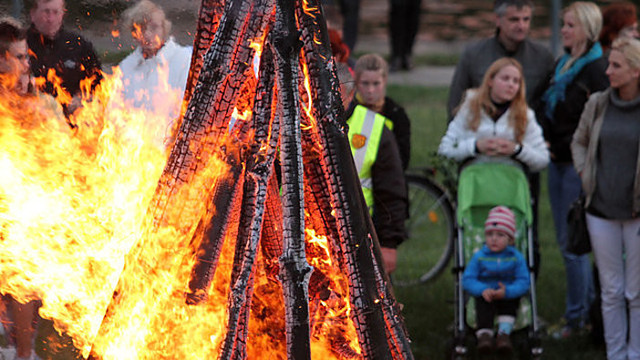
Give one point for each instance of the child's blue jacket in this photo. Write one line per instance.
(486, 269)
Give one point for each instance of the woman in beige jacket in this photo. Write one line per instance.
(605, 151)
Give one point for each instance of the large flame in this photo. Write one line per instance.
(72, 205)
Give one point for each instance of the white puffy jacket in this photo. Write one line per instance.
(459, 142)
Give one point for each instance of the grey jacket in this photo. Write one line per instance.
(584, 147)
(536, 60)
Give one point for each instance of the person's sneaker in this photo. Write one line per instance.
(485, 343)
(503, 344)
(566, 329)
(563, 333)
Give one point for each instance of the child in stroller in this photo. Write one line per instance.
(497, 277)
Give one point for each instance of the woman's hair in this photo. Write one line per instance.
(615, 17)
(482, 100)
(339, 49)
(590, 18)
(11, 30)
(140, 14)
(371, 62)
(630, 49)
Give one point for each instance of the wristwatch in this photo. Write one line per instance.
(517, 150)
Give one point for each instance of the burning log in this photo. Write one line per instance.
(210, 13)
(255, 192)
(295, 271)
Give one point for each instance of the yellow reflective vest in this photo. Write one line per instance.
(365, 132)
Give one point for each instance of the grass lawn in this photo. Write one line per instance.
(428, 308)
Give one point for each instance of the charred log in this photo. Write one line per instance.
(256, 181)
(294, 269)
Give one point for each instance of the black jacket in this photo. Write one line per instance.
(71, 56)
(401, 128)
(389, 191)
(559, 130)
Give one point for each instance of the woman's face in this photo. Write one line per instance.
(371, 86)
(620, 73)
(572, 32)
(505, 84)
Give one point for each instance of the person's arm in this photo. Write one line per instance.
(581, 136)
(520, 284)
(470, 281)
(389, 192)
(533, 151)
(402, 133)
(91, 64)
(458, 142)
(390, 199)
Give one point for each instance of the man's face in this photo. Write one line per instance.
(15, 65)
(47, 17)
(514, 24)
(151, 35)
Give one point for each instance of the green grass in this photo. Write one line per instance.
(428, 308)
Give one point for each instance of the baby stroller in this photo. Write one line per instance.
(482, 185)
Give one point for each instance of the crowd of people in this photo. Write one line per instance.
(509, 98)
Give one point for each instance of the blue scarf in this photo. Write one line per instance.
(556, 91)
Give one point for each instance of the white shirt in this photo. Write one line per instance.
(157, 85)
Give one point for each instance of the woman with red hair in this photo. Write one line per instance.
(618, 19)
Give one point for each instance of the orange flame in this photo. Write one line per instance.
(73, 204)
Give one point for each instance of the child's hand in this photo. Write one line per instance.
(488, 294)
(499, 294)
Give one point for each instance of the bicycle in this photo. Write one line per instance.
(430, 226)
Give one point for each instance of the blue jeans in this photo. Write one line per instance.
(564, 188)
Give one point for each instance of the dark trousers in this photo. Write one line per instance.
(404, 21)
(487, 311)
(350, 10)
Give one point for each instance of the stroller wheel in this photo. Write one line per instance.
(456, 350)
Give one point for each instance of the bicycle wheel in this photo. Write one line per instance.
(431, 228)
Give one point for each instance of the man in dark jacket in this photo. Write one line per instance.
(513, 20)
(53, 48)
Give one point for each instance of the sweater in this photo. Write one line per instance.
(486, 269)
(68, 54)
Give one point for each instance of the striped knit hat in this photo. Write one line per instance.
(501, 218)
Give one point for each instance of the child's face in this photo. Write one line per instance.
(371, 86)
(497, 240)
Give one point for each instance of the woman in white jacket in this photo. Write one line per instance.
(494, 120)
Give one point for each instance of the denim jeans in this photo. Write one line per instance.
(564, 188)
(616, 248)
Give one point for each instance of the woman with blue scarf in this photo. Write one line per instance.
(579, 73)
